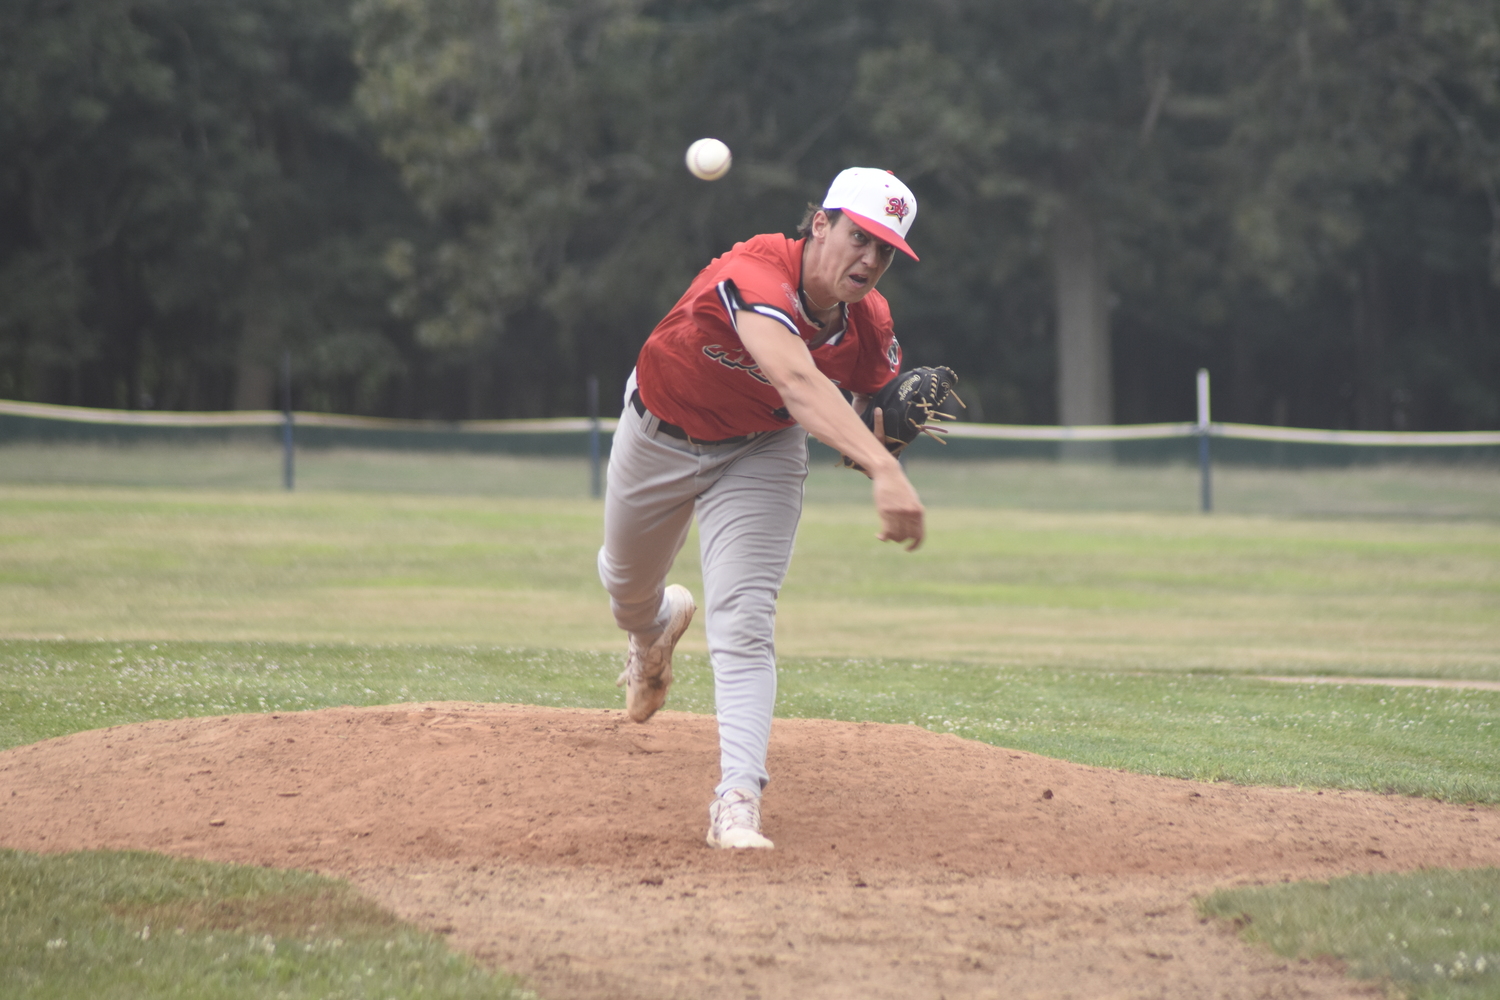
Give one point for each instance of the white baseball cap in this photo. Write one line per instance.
(879, 203)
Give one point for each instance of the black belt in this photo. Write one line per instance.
(672, 430)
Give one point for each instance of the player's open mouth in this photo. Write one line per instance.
(858, 279)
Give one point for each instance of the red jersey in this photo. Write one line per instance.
(694, 372)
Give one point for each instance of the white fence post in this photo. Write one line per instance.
(1205, 466)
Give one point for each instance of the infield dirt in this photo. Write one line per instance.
(567, 846)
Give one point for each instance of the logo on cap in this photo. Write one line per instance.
(897, 207)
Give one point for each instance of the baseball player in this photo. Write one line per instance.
(717, 412)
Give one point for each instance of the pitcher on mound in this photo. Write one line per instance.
(717, 412)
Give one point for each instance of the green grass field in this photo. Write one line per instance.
(100, 924)
(1424, 488)
(1435, 935)
(1129, 639)
(1124, 592)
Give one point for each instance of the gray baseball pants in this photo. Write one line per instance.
(748, 499)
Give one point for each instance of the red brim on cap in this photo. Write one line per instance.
(881, 232)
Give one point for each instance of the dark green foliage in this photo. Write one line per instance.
(1297, 196)
(187, 192)
(1365, 219)
(545, 142)
(1300, 197)
(462, 208)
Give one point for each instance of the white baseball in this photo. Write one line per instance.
(708, 159)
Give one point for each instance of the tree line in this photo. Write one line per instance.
(464, 208)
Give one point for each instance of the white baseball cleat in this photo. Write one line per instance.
(648, 671)
(734, 820)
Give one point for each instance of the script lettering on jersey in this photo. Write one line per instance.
(736, 358)
(791, 297)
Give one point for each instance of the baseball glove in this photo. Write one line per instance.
(910, 404)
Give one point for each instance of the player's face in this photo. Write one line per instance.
(848, 261)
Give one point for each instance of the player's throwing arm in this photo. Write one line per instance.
(819, 407)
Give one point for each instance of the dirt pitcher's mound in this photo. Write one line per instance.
(567, 845)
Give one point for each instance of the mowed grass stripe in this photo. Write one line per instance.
(1107, 591)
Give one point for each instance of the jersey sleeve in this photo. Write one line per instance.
(749, 285)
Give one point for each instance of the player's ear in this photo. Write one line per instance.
(820, 224)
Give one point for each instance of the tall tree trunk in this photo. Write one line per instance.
(1084, 391)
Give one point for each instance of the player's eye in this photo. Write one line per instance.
(864, 239)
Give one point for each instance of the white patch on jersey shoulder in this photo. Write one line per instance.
(893, 354)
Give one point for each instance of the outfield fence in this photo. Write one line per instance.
(42, 442)
(46, 422)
